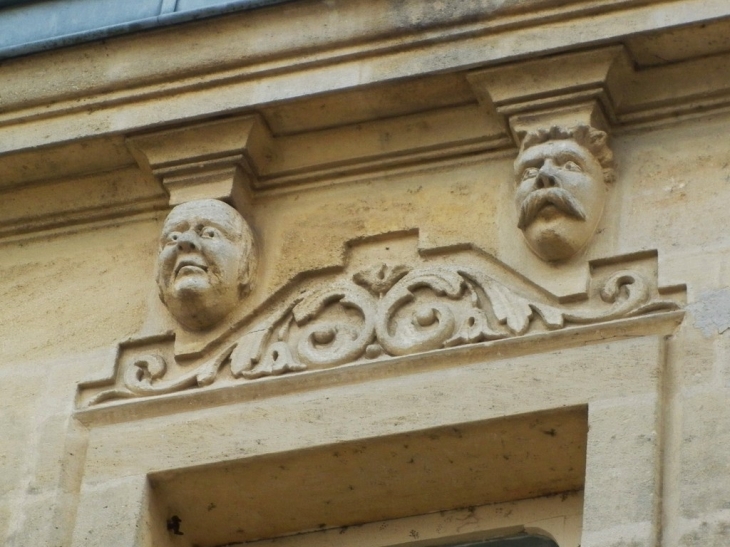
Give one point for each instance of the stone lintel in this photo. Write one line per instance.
(217, 160)
(568, 89)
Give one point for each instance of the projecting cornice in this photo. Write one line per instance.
(243, 67)
(379, 98)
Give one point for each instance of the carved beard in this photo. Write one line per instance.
(561, 199)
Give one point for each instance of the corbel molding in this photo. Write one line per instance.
(581, 88)
(215, 160)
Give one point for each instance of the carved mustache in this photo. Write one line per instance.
(537, 200)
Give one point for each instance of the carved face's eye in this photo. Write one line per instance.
(208, 233)
(172, 238)
(572, 166)
(530, 173)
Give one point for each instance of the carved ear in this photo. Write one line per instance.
(598, 138)
(248, 267)
(160, 294)
(244, 283)
(609, 175)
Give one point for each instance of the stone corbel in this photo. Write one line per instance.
(568, 90)
(558, 111)
(210, 160)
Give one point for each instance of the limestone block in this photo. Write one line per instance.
(45, 463)
(712, 530)
(691, 356)
(723, 360)
(117, 514)
(711, 312)
(636, 535)
(302, 231)
(196, 459)
(18, 408)
(681, 172)
(32, 524)
(579, 82)
(60, 202)
(704, 475)
(57, 449)
(618, 493)
(214, 160)
(700, 270)
(55, 278)
(5, 515)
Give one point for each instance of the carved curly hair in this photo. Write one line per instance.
(593, 140)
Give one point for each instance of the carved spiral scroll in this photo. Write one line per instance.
(431, 323)
(328, 343)
(142, 375)
(626, 291)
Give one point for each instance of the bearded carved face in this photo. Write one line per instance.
(560, 197)
(204, 262)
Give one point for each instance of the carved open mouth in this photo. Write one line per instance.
(190, 266)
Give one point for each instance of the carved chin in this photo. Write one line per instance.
(556, 237)
(191, 284)
(196, 314)
(196, 304)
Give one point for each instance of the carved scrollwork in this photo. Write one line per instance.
(144, 376)
(387, 311)
(331, 342)
(428, 323)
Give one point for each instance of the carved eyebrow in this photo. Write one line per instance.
(530, 162)
(176, 227)
(566, 155)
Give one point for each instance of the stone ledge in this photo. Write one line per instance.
(662, 324)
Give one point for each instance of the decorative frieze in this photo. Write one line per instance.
(385, 310)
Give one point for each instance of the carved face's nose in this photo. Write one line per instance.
(546, 177)
(188, 241)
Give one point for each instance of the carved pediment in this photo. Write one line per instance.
(390, 300)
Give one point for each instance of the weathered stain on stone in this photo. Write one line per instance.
(711, 312)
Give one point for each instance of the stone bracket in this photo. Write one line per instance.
(219, 159)
(569, 89)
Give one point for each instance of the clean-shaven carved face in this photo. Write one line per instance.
(203, 263)
(560, 197)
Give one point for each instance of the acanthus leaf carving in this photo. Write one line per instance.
(386, 311)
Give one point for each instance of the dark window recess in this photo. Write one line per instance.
(522, 540)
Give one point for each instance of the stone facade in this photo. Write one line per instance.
(371, 272)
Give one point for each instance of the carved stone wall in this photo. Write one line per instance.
(364, 272)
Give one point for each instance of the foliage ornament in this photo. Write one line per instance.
(385, 311)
